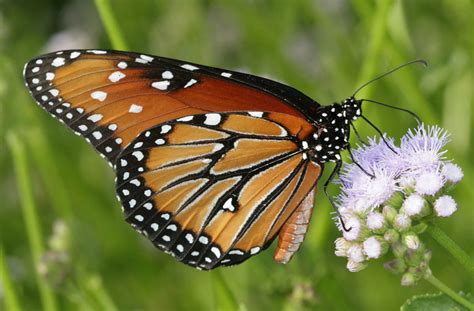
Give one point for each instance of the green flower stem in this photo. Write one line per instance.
(96, 288)
(32, 225)
(223, 296)
(111, 26)
(448, 291)
(9, 294)
(457, 252)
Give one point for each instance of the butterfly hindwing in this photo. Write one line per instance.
(110, 97)
(214, 189)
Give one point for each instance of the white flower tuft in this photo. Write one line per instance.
(406, 182)
(375, 220)
(355, 253)
(411, 241)
(402, 222)
(354, 266)
(452, 172)
(342, 245)
(445, 206)
(429, 183)
(372, 247)
(354, 224)
(421, 148)
(413, 204)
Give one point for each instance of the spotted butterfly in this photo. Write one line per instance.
(211, 165)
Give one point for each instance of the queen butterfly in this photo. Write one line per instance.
(211, 165)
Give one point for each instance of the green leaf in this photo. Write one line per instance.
(434, 302)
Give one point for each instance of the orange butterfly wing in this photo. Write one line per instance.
(110, 97)
(214, 189)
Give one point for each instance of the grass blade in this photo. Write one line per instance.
(10, 296)
(33, 229)
(111, 25)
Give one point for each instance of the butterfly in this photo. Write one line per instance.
(211, 165)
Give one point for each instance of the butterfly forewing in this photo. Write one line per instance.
(110, 97)
(214, 189)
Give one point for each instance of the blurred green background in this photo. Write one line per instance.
(323, 48)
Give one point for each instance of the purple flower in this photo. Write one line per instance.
(421, 149)
(392, 193)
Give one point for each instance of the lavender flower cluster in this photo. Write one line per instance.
(388, 210)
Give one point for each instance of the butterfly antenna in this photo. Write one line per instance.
(420, 61)
(380, 133)
(417, 118)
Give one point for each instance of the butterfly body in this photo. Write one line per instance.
(212, 165)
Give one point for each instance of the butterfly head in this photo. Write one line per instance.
(352, 109)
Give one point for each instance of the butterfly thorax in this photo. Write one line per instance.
(332, 130)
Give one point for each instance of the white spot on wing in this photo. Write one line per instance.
(186, 119)
(190, 82)
(160, 141)
(161, 85)
(226, 74)
(122, 65)
(97, 135)
(256, 114)
(212, 119)
(58, 62)
(139, 155)
(116, 76)
(74, 55)
(54, 92)
(189, 67)
(228, 205)
(254, 250)
(167, 75)
(49, 76)
(165, 129)
(135, 108)
(95, 117)
(146, 58)
(99, 95)
(216, 251)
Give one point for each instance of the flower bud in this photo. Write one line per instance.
(414, 257)
(375, 222)
(354, 224)
(429, 183)
(399, 249)
(374, 247)
(411, 240)
(452, 172)
(408, 279)
(355, 253)
(427, 255)
(402, 222)
(415, 205)
(396, 200)
(342, 245)
(60, 238)
(353, 266)
(391, 236)
(407, 183)
(389, 212)
(445, 206)
(396, 266)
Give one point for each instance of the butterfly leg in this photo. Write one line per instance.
(335, 171)
(294, 230)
